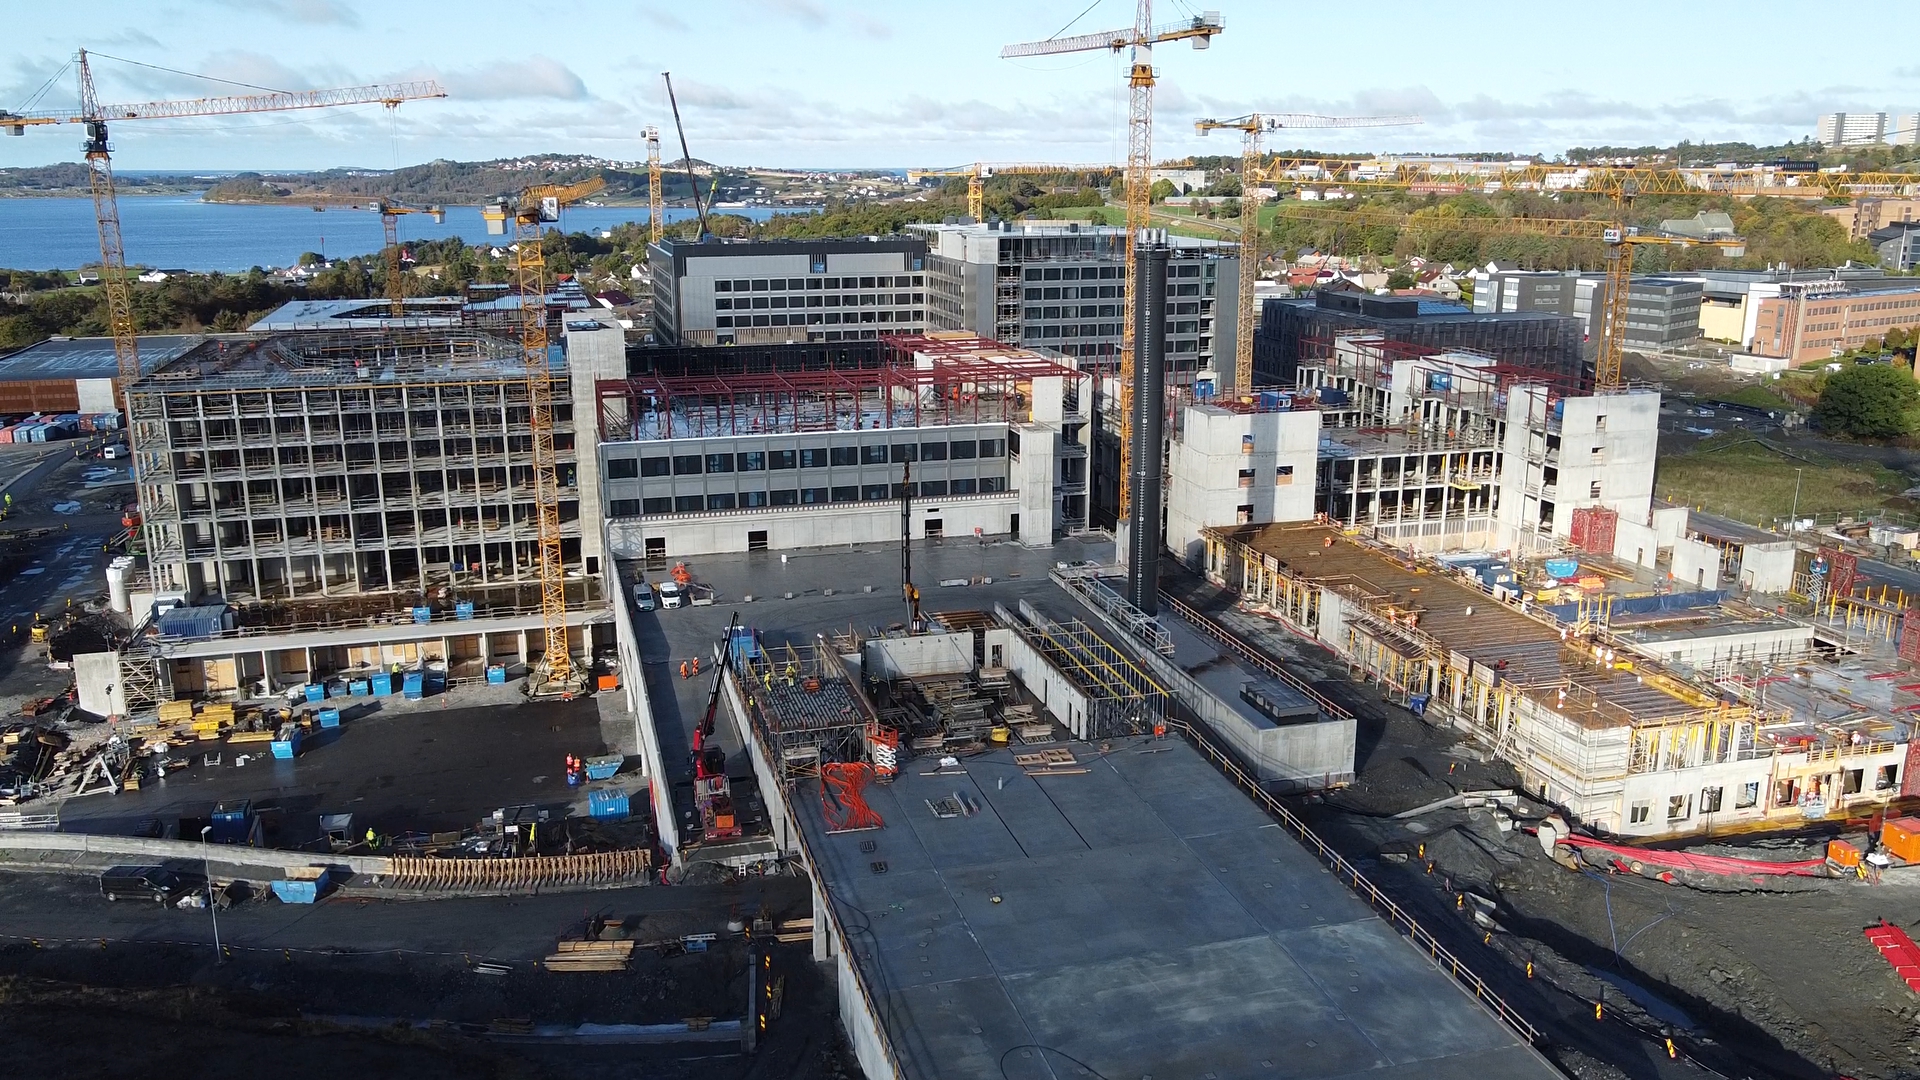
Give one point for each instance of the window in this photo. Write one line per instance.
(623, 468)
(721, 500)
(1600, 424)
(739, 285)
(623, 508)
(809, 496)
(760, 286)
(750, 461)
(661, 505)
(993, 483)
(815, 458)
(817, 264)
(719, 463)
(873, 454)
(965, 487)
(933, 451)
(656, 466)
(687, 504)
(964, 448)
(866, 283)
(875, 493)
(1282, 475)
(847, 493)
(722, 304)
(784, 497)
(833, 283)
(780, 459)
(933, 488)
(1638, 812)
(753, 499)
(903, 452)
(686, 464)
(1593, 490)
(1850, 780)
(1710, 800)
(1013, 443)
(723, 286)
(993, 448)
(845, 455)
(1679, 807)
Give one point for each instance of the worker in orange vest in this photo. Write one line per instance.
(696, 665)
(683, 669)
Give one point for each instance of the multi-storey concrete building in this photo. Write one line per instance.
(1062, 287)
(1292, 329)
(1851, 129)
(992, 440)
(1811, 322)
(357, 500)
(724, 292)
(1898, 245)
(1863, 215)
(1662, 312)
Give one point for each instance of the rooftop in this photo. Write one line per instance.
(89, 357)
(383, 358)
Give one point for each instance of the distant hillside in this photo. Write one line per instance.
(70, 178)
(445, 181)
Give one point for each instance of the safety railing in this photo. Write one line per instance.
(1382, 903)
(1253, 656)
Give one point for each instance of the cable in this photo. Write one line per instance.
(1046, 1050)
(1075, 19)
(190, 74)
(44, 87)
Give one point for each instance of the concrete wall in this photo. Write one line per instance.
(1206, 486)
(96, 679)
(1696, 564)
(1034, 475)
(1768, 568)
(832, 525)
(96, 396)
(594, 351)
(921, 656)
(1064, 701)
(633, 677)
(1768, 645)
(1669, 524)
(1636, 543)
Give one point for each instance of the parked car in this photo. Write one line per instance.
(643, 598)
(151, 883)
(672, 594)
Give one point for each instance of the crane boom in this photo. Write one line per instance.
(389, 94)
(537, 206)
(686, 158)
(1251, 126)
(1200, 29)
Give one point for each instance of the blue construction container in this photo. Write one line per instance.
(609, 805)
(307, 887)
(329, 718)
(604, 766)
(497, 675)
(413, 687)
(463, 610)
(286, 743)
(381, 685)
(423, 614)
(316, 692)
(358, 688)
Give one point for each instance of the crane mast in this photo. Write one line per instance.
(106, 213)
(656, 222)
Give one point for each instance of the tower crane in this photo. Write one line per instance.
(1621, 185)
(536, 207)
(1251, 127)
(656, 222)
(978, 173)
(390, 214)
(1141, 37)
(98, 150)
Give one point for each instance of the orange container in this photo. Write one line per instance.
(1901, 838)
(1841, 853)
(609, 682)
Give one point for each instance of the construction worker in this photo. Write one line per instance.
(696, 665)
(372, 837)
(683, 669)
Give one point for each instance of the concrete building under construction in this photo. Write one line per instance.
(354, 500)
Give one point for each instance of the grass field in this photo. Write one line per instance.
(1739, 477)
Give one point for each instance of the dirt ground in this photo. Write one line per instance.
(1745, 984)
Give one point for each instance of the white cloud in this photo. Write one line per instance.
(539, 77)
(310, 12)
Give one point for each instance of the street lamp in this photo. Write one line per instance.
(206, 867)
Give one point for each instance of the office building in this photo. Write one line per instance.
(1547, 344)
(1661, 312)
(1813, 321)
(1851, 129)
(724, 292)
(1863, 215)
(1062, 287)
(1898, 245)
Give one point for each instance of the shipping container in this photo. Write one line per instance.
(1901, 838)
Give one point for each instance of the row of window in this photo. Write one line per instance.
(1109, 330)
(1074, 311)
(1181, 269)
(807, 496)
(883, 281)
(831, 318)
(725, 303)
(813, 457)
(1073, 293)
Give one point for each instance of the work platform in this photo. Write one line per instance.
(1143, 917)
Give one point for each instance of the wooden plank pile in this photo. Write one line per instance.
(591, 956)
(1049, 763)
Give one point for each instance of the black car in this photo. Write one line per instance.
(151, 883)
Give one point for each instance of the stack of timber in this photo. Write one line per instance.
(591, 956)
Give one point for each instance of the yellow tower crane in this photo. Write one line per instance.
(978, 173)
(1621, 185)
(1251, 127)
(656, 219)
(537, 206)
(98, 150)
(1141, 37)
(390, 214)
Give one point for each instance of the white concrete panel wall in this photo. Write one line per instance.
(633, 677)
(1048, 399)
(922, 656)
(829, 525)
(1696, 564)
(1618, 453)
(1669, 524)
(1034, 477)
(1063, 701)
(592, 354)
(96, 396)
(1205, 487)
(1768, 568)
(1770, 645)
(1635, 543)
(96, 679)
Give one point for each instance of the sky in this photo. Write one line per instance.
(919, 83)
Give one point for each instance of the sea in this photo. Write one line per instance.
(180, 231)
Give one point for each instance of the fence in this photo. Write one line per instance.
(1394, 913)
(604, 868)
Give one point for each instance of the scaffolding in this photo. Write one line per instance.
(1122, 698)
(801, 700)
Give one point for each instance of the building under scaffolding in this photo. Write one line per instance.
(1119, 697)
(802, 702)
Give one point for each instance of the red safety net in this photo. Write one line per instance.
(1899, 949)
(1594, 528)
(1707, 864)
(842, 797)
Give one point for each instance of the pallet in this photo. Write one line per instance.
(1044, 759)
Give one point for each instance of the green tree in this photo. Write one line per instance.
(1400, 279)
(1868, 401)
(1160, 190)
